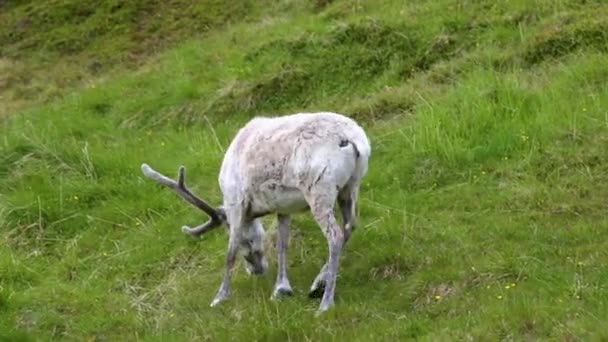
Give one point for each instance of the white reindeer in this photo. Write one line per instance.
(284, 165)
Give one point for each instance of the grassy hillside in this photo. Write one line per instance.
(483, 215)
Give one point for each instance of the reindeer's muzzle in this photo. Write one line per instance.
(256, 263)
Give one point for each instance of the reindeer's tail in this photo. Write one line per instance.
(362, 151)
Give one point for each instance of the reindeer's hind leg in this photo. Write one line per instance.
(321, 202)
(347, 201)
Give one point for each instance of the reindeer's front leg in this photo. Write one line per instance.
(224, 291)
(282, 286)
(235, 222)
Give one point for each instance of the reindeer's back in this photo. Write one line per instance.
(289, 151)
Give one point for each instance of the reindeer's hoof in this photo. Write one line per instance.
(222, 296)
(216, 302)
(322, 309)
(317, 290)
(189, 231)
(281, 292)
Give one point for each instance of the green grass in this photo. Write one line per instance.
(483, 215)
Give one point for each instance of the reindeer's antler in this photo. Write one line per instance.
(180, 188)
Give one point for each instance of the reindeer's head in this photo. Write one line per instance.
(252, 242)
(251, 237)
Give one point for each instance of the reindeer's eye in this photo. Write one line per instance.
(249, 258)
(247, 242)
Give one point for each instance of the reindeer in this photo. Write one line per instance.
(284, 165)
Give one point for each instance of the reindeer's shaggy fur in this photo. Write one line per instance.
(274, 162)
(284, 165)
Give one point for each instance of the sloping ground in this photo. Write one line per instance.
(483, 215)
(50, 47)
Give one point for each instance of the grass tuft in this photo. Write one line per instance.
(560, 39)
